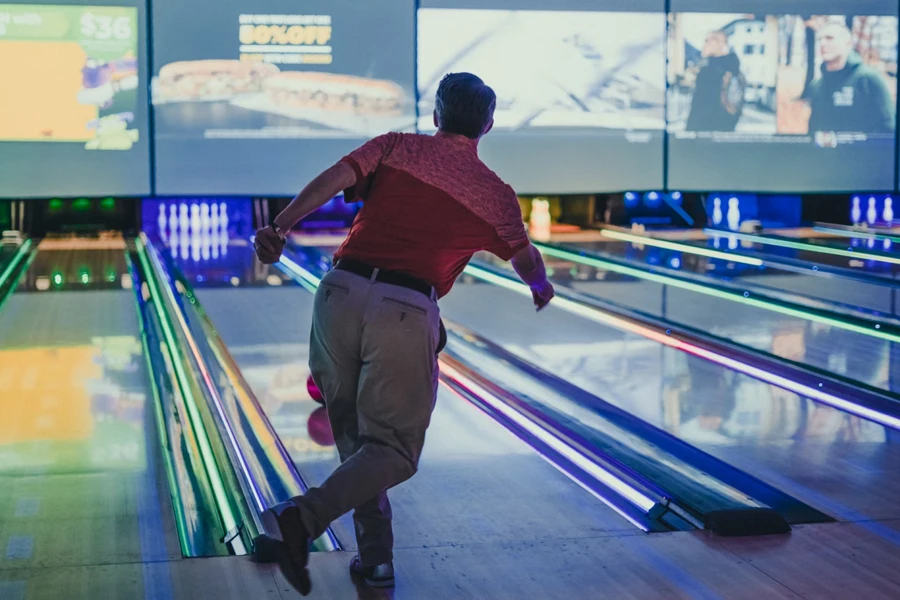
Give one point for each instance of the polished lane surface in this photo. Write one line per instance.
(81, 479)
(826, 458)
(477, 483)
(869, 296)
(857, 356)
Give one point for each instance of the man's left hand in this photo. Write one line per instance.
(268, 245)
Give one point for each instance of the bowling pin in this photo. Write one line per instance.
(183, 217)
(888, 210)
(214, 217)
(717, 241)
(732, 242)
(161, 221)
(734, 214)
(223, 216)
(223, 241)
(872, 213)
(717, 211)
(871, 243)
(856, 211)
(205, 243)
(185, 241)
(887, 244)
(195, 220)
(173, 219)
(204, 216)
(195, 242)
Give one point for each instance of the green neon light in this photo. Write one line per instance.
(206, 451)
(850, 232)
(178, 504)
(810, 247)
(16, 259)
(733, 296)
(656, 243)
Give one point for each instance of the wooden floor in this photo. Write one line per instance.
(859, 560)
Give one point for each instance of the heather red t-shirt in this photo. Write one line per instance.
(429, 204)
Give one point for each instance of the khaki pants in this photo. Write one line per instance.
(373, 354)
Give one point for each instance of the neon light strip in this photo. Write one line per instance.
(206, 452)
(213, 390)
(17, 258)
(162, 432)
(632, 495)
(629, 493)
(809, 247)
(850, 232)
(874, 331)
(700, 251)
(605, 318)
(559, 468)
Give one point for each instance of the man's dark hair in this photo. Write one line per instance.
(464, 104)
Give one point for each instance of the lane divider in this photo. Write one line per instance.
(665, 337)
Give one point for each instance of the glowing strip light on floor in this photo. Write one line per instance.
(860, 233)
(873, 331)
(809, 247)
(680, 247)
(632, 495)
(213, 390)
(16, 259)
(206, 452)
(605, 318)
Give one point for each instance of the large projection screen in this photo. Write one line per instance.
(256, 98)
(580, 87)
(782, 96)
(73, 99)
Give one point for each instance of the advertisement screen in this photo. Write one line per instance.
(580, 88)
(782, 96)
(73, 110)
(258, 98)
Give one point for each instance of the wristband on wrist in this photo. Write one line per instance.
(278, 231)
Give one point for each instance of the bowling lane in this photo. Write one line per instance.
(868, 296)
(477, 482)
(81, 474)
(811, 250)
(855, 355)
(823, 457)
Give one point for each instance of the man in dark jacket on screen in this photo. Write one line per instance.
(719, 92)
(850, 96)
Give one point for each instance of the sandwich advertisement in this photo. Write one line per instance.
(88, 60)
(269, 82)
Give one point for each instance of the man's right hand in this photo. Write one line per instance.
(542, 293)
(268, 245)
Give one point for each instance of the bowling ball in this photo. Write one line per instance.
(314, 392)
(319, 428)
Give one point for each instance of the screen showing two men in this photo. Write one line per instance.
(776, 101)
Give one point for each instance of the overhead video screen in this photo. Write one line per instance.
(787, 95)
(580, 87)
(73, 105)
(259, 97)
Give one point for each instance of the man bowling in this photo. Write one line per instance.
(429, 204)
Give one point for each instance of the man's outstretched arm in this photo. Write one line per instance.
(269, 244)
(529, 265)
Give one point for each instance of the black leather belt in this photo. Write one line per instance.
(389, 277)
